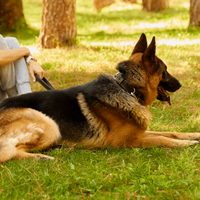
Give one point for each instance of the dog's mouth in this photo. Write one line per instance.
(163, 95)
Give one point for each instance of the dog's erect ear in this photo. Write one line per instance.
(150, 52)
(141, 45)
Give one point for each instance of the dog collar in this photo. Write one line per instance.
(124, 84)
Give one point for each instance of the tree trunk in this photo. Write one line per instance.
(194, 13)
(130, 1)
(58, 23)
(99, 4)
(11, 15)
(155, 5)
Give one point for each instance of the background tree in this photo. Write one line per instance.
(99, 4)
(11, 15)
(194, 13)
(58, 23)
(130, 1)
(155, 5)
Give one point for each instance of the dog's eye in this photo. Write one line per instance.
(165, 76)
(160, 68)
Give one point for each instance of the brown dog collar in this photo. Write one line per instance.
(124, 84)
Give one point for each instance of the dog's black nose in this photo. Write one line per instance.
(179, 84)
(174, 85)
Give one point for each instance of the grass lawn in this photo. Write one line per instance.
(103, 40)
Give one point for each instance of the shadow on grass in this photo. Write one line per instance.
(192, 33)
(128, 15)
(63, 80)
(25, 36)
(29, 36)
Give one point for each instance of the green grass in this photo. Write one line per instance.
(105, 174)
(104, 39)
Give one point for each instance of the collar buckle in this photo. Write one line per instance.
(118, 77)
(133, 94)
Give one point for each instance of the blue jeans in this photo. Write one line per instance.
(14, 77)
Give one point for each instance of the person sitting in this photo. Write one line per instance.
(14, 76)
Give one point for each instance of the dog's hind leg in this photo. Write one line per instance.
(22, 154)
(26, 130)
(9, 152)
(174, 135)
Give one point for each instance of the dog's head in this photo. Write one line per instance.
(147, 73)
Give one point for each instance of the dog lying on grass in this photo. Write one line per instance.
(109, 111)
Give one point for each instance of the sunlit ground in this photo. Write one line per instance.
(119, 5)
(171, 42)
(143, 26)
(168, 42)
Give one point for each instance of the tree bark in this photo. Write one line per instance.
(130, 1)
(155, 5)
(11, 15)
(58, 23)
(194, 13)
(99, 4)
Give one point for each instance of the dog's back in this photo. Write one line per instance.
(72, 108)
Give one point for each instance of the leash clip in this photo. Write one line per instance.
(133, 94)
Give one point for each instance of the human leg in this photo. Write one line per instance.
(21, 71)
(7, 76)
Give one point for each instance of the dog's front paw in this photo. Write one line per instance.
(194, 136)
(191, 143)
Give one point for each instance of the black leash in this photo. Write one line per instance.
(44, 82)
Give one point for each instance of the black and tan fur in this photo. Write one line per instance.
(100, 113)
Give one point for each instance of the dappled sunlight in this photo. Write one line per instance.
(170, 42)
(142, 25)
(166, 24)
(174, 42)
(120, 6)
(155, 25)
(186, 5)
(33, 49)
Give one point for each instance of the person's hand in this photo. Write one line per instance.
(35, 68)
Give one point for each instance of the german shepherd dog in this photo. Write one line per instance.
(109, 111)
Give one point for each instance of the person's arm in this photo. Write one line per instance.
(9, 55)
